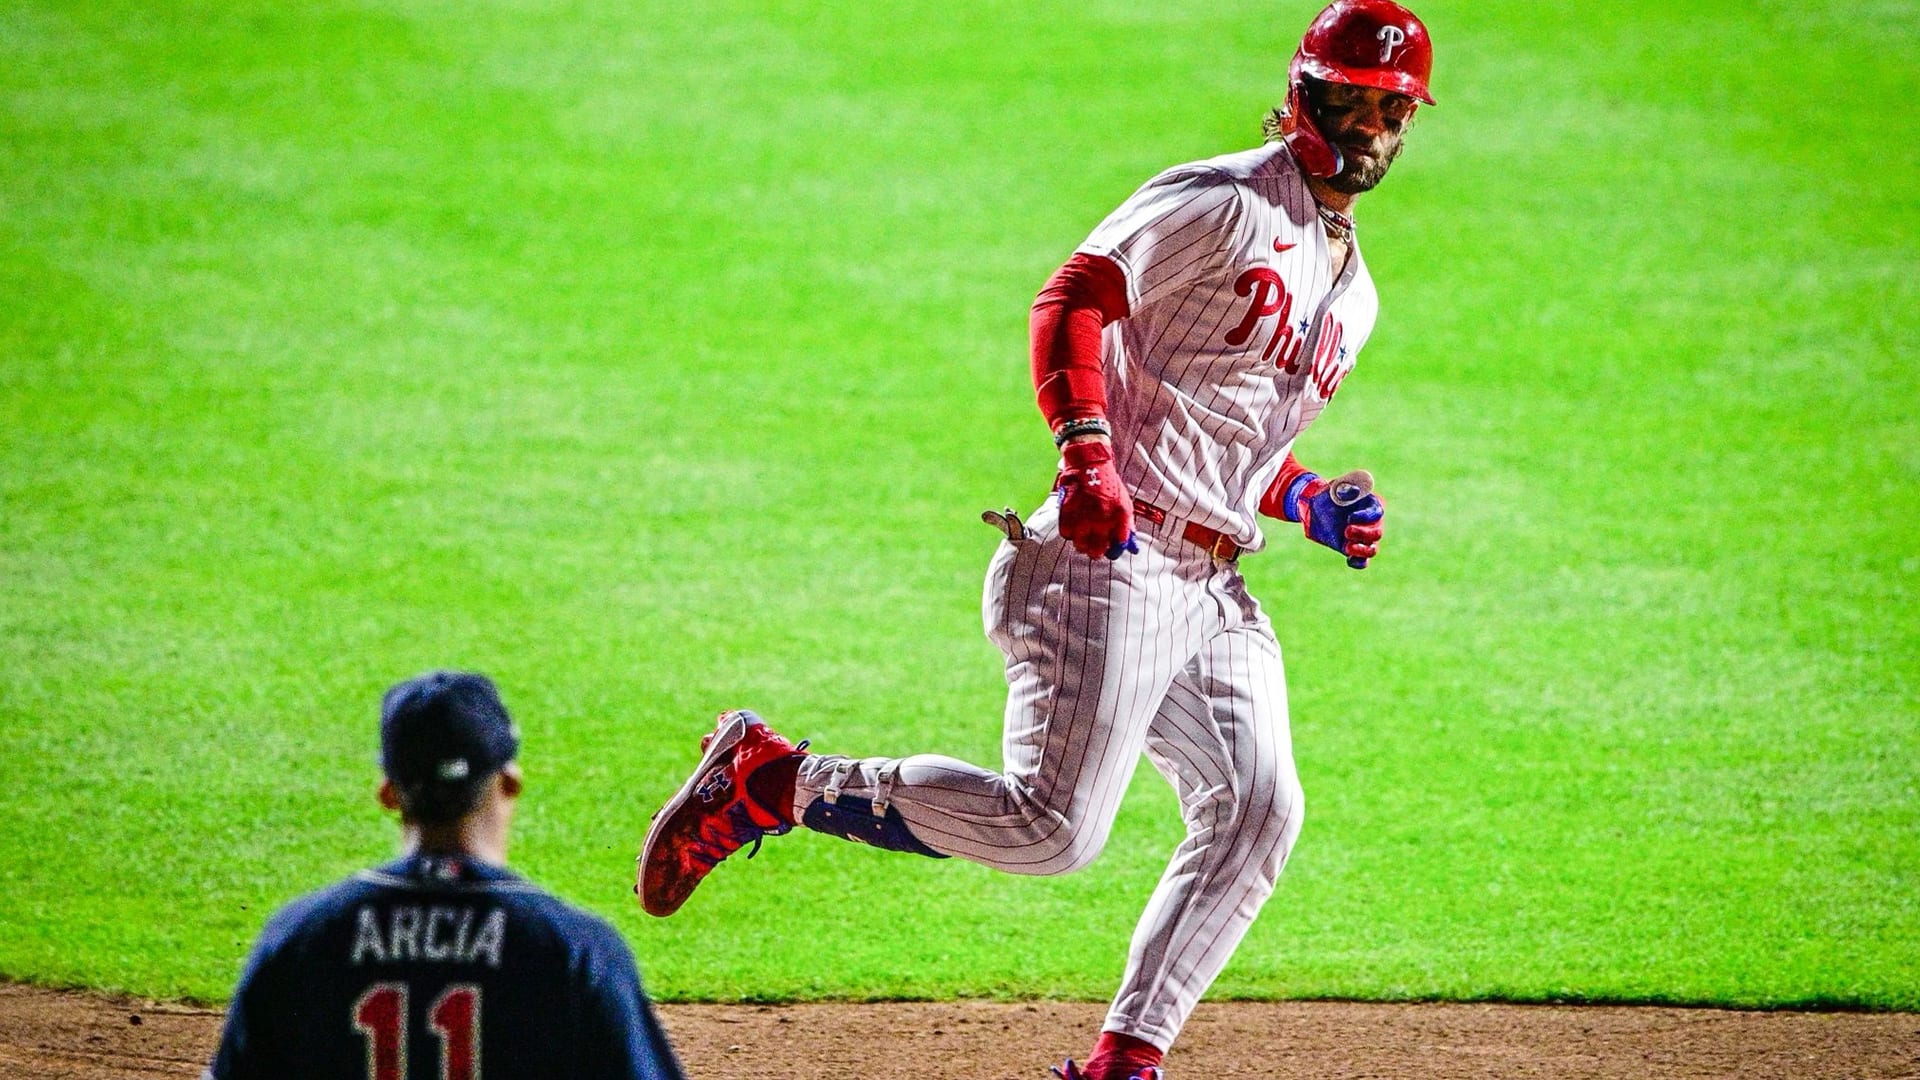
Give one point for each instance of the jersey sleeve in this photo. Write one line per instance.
(624, 1038)
(1167, 234)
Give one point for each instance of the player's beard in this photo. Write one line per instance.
(1364, 162)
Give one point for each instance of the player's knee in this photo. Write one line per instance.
(1060, 843)
(1288, 803)
(1293, 812)
(1260, 820)
(1065, 857)
(1278, 828)
(1084, 846)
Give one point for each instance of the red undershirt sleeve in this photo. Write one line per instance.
(1079, 300)
(1273, 503)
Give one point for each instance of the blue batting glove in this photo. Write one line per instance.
(1353, 530)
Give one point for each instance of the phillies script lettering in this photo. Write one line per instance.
(1268, 296)
(1329, 359)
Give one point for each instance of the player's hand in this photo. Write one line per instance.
(1354, 530)
(1096, 511)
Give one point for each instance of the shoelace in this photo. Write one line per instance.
(722, 836)
(736, 829)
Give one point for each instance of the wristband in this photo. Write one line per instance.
(1290, 502)
(1091, 425)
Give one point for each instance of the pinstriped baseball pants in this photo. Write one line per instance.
(1164, 652)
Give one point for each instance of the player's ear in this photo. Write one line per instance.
(389, 796)
(512, 782)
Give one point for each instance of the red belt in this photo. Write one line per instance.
(1218, 544)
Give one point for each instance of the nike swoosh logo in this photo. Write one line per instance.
(1278, 246)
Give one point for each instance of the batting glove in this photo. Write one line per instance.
(1096, 513)
(1353, 530)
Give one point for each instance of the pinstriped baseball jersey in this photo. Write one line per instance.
(1236, 336)
(1238, 333)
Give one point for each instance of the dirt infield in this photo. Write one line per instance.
(51, 1035)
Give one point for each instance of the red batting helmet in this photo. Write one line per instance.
(1373, 43)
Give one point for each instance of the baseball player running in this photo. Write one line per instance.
(442, 963)
(1177, 356)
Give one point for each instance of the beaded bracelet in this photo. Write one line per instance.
(1091, 425)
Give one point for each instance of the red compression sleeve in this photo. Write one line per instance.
(1273, 503)
(1079, 300)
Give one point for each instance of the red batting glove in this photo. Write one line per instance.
(1096, 512)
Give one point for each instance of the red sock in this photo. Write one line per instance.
(771, 785)
(1117, 1056)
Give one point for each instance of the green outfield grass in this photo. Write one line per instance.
(659, 358)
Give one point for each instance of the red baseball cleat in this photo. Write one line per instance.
(712, 816)
(1070, 1071)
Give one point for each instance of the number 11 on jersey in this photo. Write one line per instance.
(380, 1014)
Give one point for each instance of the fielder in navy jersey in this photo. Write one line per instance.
(442, 964)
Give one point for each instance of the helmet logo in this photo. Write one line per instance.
(1391, 38)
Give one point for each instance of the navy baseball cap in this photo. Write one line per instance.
(445, 728)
